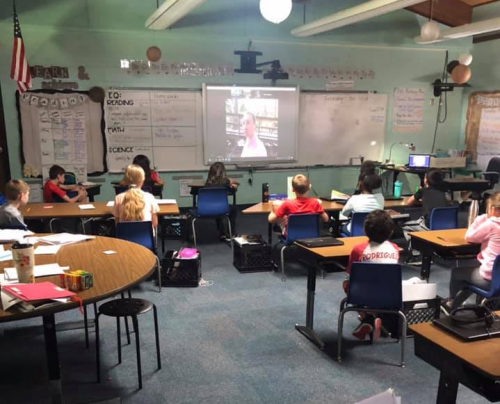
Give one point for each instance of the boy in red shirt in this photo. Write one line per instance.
(301, 204)
(55, 187)
(378, 228)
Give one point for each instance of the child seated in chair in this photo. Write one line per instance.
(378, 228)
(17, 193)
(366, 201)
(54, 188)
(301, 204)
(135, 204)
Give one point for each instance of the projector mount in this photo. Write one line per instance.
(248, 62)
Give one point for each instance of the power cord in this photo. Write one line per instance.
(250, 180)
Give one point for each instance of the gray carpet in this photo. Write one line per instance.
(232, 342)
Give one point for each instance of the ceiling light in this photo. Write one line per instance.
(170, 12)
(362, 12)
(275, 11)
(463, 31)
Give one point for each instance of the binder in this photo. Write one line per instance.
(32, 292)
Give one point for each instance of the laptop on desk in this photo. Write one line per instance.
(319, 242)
(419, 162)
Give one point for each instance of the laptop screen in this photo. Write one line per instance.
(419, 160)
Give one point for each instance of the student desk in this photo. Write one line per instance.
(312, 257)
(67, 210)
(333, 208)
(446, 243)
(109, 280)
(476, 365)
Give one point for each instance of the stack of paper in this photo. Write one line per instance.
(166, 201)
(65, 238)
(338, 195)
(40, 270)
(9, 235)
(29, 294)
(86, 206)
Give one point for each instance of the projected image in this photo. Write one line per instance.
(251, 127)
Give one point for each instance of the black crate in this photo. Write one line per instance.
(180, 272)
(252, 257)
(414, 315)
(173, 228)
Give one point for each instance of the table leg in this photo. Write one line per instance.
(308, 329)
(447, 391)
(49, 327)
(425, 271)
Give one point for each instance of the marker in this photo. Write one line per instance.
(27, 210)
(441, 238)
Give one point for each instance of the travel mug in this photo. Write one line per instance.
(397, 189)
(24, 260)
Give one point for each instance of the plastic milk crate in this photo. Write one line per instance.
(173, 227)
(179, 272)
(252, 254)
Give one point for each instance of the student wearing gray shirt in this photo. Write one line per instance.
(17, 194)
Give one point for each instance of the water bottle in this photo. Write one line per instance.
(265, 192)
(397, 189)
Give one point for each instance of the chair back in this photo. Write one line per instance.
(357, 224)
(377, 286)
(444, 218)
(494, 165)
(119, 189)
(137, 232)
(213, 201)
(304, 225)
(69, 178)
(495, 278)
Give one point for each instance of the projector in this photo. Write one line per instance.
(274, 75)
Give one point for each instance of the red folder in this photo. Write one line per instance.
(30, 292)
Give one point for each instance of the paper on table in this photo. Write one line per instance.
(47, 249)
(65, 238)
(4, 281)
(387, 397)
(166, 201)
(5, 255)
(88, 184)
(7, 235)
(86, 206)
(40, 270)
(110, 204)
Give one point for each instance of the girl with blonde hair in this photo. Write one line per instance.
(135, 204)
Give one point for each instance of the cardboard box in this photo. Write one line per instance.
(448, 162)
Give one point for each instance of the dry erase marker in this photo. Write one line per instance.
(441, 238)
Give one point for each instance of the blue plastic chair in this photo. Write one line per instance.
(299, 226)
(493, 293)
(140, 233)
(212, 203)
(357, 225)
(374, 288)
(69, 178)
(444, 218)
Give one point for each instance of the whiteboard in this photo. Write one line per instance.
(164, 125)
(335, 127)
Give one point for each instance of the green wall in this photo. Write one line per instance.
(99, 33)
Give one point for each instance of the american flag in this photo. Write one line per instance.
(20, 70)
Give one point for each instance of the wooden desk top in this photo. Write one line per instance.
(265, 207)
(112, 273)
(338, 251)
(67, 210)
(443, 238)
(483, 355)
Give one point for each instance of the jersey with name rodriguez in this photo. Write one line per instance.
(383, 253)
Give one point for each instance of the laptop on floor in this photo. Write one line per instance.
(419, 161)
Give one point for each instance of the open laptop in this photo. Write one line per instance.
(419, 161)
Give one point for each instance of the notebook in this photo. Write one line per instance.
(319, 242)
(336, 196)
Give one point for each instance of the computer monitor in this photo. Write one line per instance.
(419, 160)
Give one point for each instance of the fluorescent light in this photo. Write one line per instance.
(475, 28)
(170, 12)
(362, 12)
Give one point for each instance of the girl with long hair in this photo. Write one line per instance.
(151, 177)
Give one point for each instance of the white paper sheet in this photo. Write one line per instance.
(110, 204)
(47, 249)
(387, 397)
(65, 238)
(166, 201)
(40, 270)
(86, 206)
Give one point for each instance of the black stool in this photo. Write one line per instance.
(127, 308)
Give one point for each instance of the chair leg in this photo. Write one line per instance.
(403, 336)
(50, 224)
(283, 278)
(339, 335)
(97, 353)
(194, 230)
(157, 337)
(138, 350)
(230, 231)
(119, 338)
(125, 319)
(86, 325)
(158, 268)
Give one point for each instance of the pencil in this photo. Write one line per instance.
(27, 210)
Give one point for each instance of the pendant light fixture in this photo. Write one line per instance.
(275, 11)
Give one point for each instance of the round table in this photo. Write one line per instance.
(112, 273)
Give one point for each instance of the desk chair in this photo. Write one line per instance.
(493, 293)
(140, 233)
(69, 178)
(357, 225)
(299, 226)
(444, 218)
(374, 288)
(492, 173)
(212, 203)
(58, 199)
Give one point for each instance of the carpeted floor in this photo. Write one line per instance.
(232, 342)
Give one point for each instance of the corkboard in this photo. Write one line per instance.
(478, 101)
